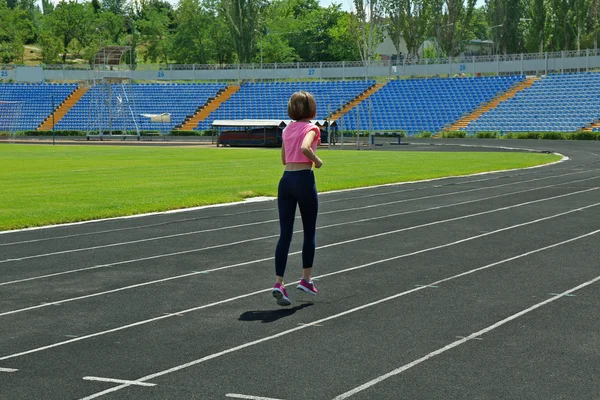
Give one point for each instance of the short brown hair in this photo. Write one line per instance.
(302, 105)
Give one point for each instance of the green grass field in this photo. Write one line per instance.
(44, 185)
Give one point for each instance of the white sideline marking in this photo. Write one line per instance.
(564, 158)
(321, 227)
(320, 321)
(457, 343)
(466, 182)
(122, 381)
(245, 396)
(299, 252)
(9, 370)
(277, 220)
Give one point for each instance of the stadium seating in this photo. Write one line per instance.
(562, 103)
(417, 105)
(38, 100)
(179, 100)
(269, 100)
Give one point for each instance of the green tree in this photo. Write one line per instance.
(534, 40)
(594, 22)
(366, 24)
(154, 31)
(457, 22)
(190, 41)
(112, 27)
(51, 47)
(342, 47)
(244, 17)
(580, 14)
(71, 21)
(479, 26)
(561, 35)
(47, 7)
(15, 30)
(117, 7)
(95, 5)
(222, 41)
(277, 50)
(512, 38)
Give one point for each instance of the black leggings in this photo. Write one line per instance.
(296, 187)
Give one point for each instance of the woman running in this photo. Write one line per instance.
(297, 187)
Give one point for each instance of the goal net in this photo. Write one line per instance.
(10, 111)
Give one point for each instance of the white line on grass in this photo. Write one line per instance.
(143, 322)
(457, 343)
(359, 308)
(276, 220)
(122, 381)
(320, 227)
(563, 159)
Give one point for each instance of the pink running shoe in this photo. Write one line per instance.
(308, 287)
(280, 294)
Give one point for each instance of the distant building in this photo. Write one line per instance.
(387, 49)
(478, 47)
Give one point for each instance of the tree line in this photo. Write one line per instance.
(261, 31)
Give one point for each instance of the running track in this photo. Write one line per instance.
(482, 287)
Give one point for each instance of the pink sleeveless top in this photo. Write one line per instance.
(293, 135)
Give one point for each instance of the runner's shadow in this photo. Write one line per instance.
(271, 315)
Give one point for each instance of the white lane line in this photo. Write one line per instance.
(457, 343)
(295, 232)
(464, 182)
(564, 158)
(9, 370)
(335, 316)
(177, 221)
(104, 246)
(245, 396)
(462, 337)
(345, 199)
(276, 220)
(231, 299)
(121, 381)
(296, 253)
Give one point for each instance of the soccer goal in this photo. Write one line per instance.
(10, 111)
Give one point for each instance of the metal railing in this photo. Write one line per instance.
(541, 63)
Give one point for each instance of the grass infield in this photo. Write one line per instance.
(44, 185)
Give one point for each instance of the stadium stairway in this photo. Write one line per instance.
(593, 127)
(204, 110)
(63, 108)
(356, 101)
(486, 107)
